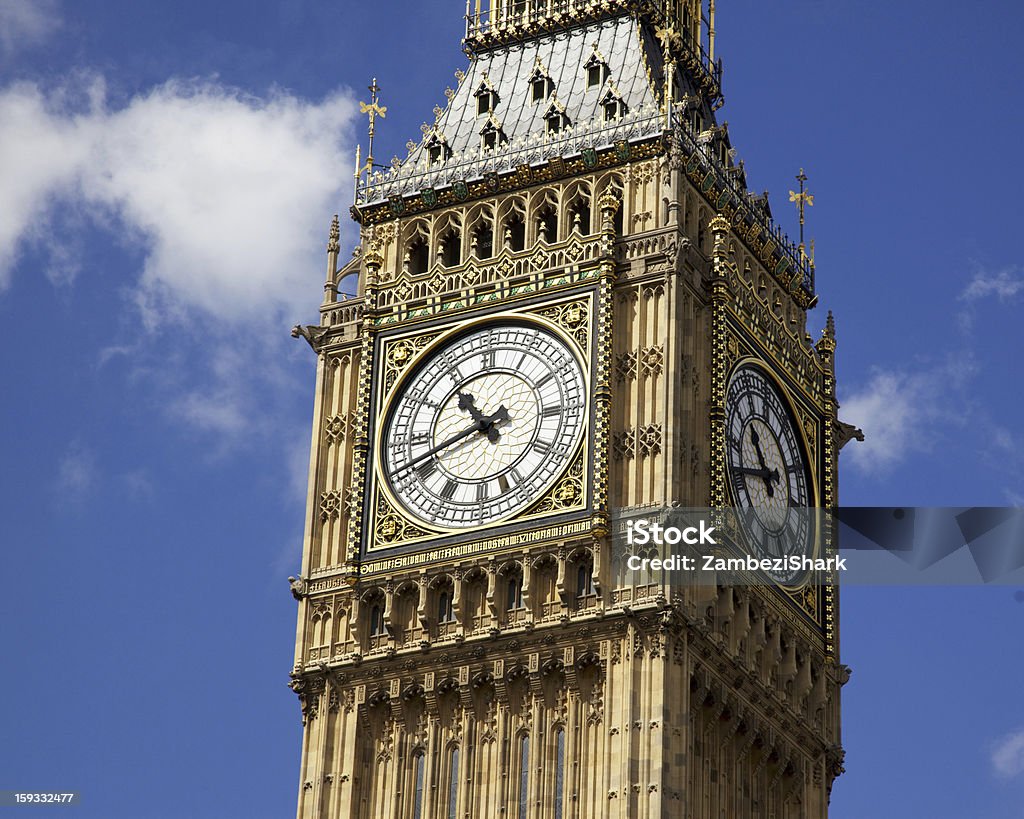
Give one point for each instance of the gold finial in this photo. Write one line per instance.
(373, 110)
(801, 197)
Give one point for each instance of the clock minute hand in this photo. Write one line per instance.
(458, 436)
(756, 439)
(484, 424)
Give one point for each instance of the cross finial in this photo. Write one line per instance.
(801, 198)
(373, 110)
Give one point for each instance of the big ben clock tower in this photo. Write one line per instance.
(567, 304)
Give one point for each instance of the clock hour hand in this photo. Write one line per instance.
(756, 439)
(467, 404)
(764, 474)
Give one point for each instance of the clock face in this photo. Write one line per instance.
(484, 425)
(768, 473)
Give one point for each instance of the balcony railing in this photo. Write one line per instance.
(731, 183)
(498, 19)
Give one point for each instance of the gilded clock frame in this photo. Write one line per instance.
(570, 317)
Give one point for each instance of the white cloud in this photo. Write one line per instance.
(900, 411)
(76, 471)
(26, 22)
(1008, 756)
(228, 195)
(1004, 285)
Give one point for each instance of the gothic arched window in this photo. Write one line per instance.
(417, 796)
(524, 775)
(444, 607)
(559, 770)
(453, 782)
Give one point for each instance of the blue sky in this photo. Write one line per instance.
(167, 176)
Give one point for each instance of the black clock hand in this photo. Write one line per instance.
(434, 450)
(764, 474)
(467, 402)
(484, 424)
(760, 458)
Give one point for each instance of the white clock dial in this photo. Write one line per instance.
(768, 473)
(484, 425)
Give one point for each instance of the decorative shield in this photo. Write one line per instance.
(589, 157)
(723, 197)
(622, 150)
(429, 196)
(557, 166)
(492, 180)
(397, 205)
(461, 190)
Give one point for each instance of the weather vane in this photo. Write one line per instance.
(801, 198)
(373, 109)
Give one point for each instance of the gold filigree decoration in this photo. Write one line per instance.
(574, 318)
(390, 527)
(337, 428)
(567, 493)
(330, 506)
(399, 354)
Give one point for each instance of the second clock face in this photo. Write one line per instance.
(767, 470)
(484, 425)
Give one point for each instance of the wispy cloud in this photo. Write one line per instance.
(901, 412)
(1005, 285)
(227, 195)
(1008, 756)
(908, 409)
(26, 23)
(76, 472)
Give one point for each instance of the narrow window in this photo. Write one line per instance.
(559, 770)
(547, 225)
(453, 783)
(484, 242)
(515, 233)
(417, 799)
(376, 620)
(444, 607)
(418, 257)
(524, 775)
(540, 88)
(584, 580)
(451, 249)
(435, 154)
(514, 593)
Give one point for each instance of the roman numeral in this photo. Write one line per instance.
(449, 489)
(545, 379)
(481, 492)
(554, 409)
(543, 447)
(426, 469)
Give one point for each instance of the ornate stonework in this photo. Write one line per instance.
(510, 671)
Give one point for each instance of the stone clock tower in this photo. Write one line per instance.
(567, 304)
